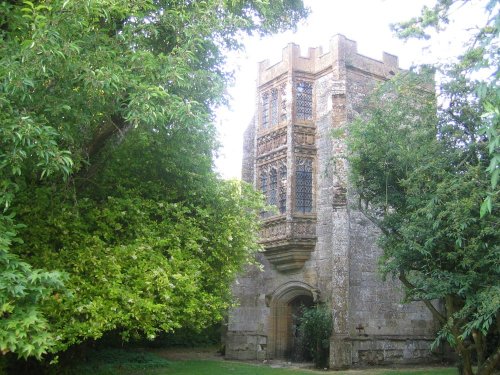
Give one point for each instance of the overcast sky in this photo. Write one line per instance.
(364, 21)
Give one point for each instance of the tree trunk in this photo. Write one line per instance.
(490, 364)
(466, 362)
(479, 341)
(463, 350)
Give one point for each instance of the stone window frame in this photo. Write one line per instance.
(282, 191)
(295, 207)
(304, 175)
(278, 169)
(297, 117)
(263, 182)
(273, 106)
(272, 198)
(264, 110)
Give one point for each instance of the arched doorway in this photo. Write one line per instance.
(287, 305)
(296, 308)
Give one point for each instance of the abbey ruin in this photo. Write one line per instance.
(318, 248)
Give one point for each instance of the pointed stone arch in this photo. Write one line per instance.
(282, 302)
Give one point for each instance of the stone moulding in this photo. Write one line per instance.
(290, 255)
(288, 243)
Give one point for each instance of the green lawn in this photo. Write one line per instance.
(124, 362)
(205, 367)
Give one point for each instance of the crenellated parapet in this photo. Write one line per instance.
(341, 51)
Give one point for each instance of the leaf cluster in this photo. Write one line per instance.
(421, 174)
(106, 152)
(315, 328)
(23, 328)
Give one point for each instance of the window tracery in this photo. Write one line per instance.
(263, 183)
(303, 185)
(265, 104)
(282, 190)
(283, 102)
(273, 106)
(273, 180)
(273, 187)
(303, 96)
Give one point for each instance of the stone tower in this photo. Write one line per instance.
(317, 247)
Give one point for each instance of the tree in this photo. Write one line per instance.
(422, 168)
(106, 146)
(481, 56)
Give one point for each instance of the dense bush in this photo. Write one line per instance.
(315, 328)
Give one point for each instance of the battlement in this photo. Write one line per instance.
(343, 54)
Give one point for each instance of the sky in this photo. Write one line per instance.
(364, 21)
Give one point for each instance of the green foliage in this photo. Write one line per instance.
(106, 147)
(421, 179)
(188, 337)
(141, 265)
(481, 58)
(130, 362)
(315, 328)
(23, 328)
(421, 176)
(113, 361)
(467, 272)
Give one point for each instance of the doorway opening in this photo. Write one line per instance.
(287, 307)
(295, 349)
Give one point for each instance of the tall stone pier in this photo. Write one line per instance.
(318, 248)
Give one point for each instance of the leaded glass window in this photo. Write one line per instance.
(283, 102)
(303, 185)
(273, 187)
(274, 107)
(273, 180)
(303, 99)
(263, 183)
(265, 109)
(282, 190)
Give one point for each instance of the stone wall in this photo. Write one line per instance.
(381, 328)
(371, 325)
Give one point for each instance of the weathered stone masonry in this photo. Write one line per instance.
(317, 247)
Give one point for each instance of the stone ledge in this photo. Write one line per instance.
(289, 255)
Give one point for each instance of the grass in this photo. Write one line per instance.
(435, 371)
(206, 367)
(129, 362)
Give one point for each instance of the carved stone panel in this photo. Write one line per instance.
(303, 229)
(272, 156)
(271, 141)
(273, 230)
(303, 139)
(289, 243)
